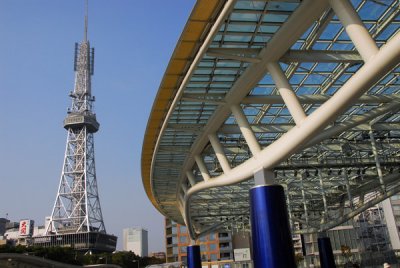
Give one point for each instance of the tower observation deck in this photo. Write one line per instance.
(76, 219)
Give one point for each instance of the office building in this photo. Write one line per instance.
(135, 239)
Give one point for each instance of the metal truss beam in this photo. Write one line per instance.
(251, 55)
(276, 99)
(384, 60)
(337, 56)
(265, 128)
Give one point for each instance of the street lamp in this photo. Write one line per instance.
(137, 262)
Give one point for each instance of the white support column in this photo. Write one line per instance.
(219, 152)
(303, 195)
(246, 130)
(184, 188)
(346, 181)
(181, 202)
(264, 177)
(286, 187)
(202, 167)
(287, 93)
(355, 28)
(377, 163)
(181, 199)
(191, 178)
(321, 183)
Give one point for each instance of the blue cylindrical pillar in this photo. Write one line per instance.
(193, 256)
(271, 237)
(326, 253)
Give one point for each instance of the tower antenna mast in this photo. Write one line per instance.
(86, 20)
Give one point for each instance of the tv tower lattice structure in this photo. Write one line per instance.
(76, 219)
(77, 207)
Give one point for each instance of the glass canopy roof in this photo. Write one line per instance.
(220, 62)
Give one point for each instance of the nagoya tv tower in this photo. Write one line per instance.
(76, 219)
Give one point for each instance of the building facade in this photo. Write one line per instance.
(216, 248)
(135, 239)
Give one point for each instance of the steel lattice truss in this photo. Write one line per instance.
(306, 89)
(77, 206)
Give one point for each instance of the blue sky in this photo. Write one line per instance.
(133, 43)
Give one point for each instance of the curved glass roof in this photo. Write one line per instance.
(220, 62)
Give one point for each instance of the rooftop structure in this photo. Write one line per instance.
(304, 92)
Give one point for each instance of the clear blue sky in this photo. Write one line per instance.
(133, 43)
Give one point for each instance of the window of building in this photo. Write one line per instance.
(203, 248)
(203, 238)
(213, 257)
(183, 239)
(223, 235)
(213, 247)
(224, 245)
(212, 236)
(395, 197)
(183, 229)
(225, 256)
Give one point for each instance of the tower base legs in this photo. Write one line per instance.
(193, 256)
(271, 237)
(326, 257)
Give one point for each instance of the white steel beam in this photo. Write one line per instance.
(219, 152)
(191, 178)
(377, 162)
(354, 121)
(291, 142)
(282, 128)
(245, 128)
(251, 55)
(277, 99)
(202, 167)
(232, 55)
(337, 56)
(347, 183)
(286, 92)
(295, 26)
(355, 28)
(323, 193)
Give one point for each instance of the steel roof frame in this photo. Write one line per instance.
(218, 131)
